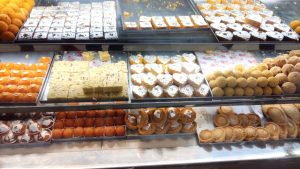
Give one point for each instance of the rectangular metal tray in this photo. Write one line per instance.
(70, 56)
(27, 57)
(157, 8)
(147, 99)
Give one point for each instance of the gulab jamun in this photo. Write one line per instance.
(69, 122)
(68, 132)
(70, 115)
(119, 120)
(120, 112)
(110, 131)
(109, 121)
(88, 132)
(80, 114)
(120, 130)
(99, 131)
(99, 122)
(110, 113)
(79, 122)
(57, 133)
(89, 122)
(60, 115)
(59, 124)
(78, 132)
(101, 113)
(90, 114)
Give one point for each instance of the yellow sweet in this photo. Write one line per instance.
(294, 24)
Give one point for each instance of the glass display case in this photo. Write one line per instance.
(144, 83)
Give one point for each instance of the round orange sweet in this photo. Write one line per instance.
(4, 80)
(37, 80)
(90, 114)
(5, 18)
(18, 97)
(109, 121)
(44, 59)
(19, 66)
(13, 7)
(9, 66)
(1, 88)
(297, 30)
(24, 11)
(15, 73)
(110, 131)
(99, 131)
(40, 73)
(89, 122)
(57, 133)
(99, 122)
(79, 122)
(110, 113)
(59, 124)
(30, 97)
(68, 133)
(120, 131)
(14, 80)
(17, 22)
(6, 97)
(70, 115)
(78, 132)
(11, 88)
(13, 29)
(30, 67)
(22, 89)
(88, 132)
(80, 114)
(27, 6)
(33, 88)
(294, 24)
(8, 11)
(69, 122)
(60, 115)
(7, 36)
(24, 81)
(42, 66)
(4, 72)
(20, 16)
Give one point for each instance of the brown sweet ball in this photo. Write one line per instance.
(287, 69)
(68, 132)
(119, 120)
(249, 91)
(79, 122)
(120, 112)
(109, 121)
(229, 91)
(80, 114)
(120, 130)
(297, 67)
(273, 81)
(99, 122)
(267, 91)
(285, 56)
(269, 62)
(99, 131)
(90, 114)
(110, 113)
(221, 82)
(210, 77)
(262, 81)
(262, 66)
(218, 92)
(57, 133)
(69, 122)
(267, 73)
(289, 88)
(239, 91)
(101, 113)
(218, 73)
(282, 78)
(294, 77)
(277, 90)
(280, 61)
(294, 53)
(275, 70)
(256, 73)
(238, 74)
(252, 82)
(239, 68)
(242, 82)
(231, 81)
(89, 132)
(89, 122)
(59, 124)
(247, 74)
(213, 83)
(228, 73)
(258, 91)
(294, 60)
(60, 115)
(110, 131)
(70, 115)
(78, 132)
